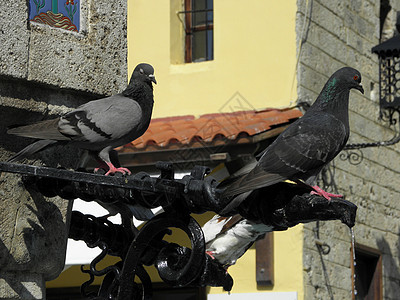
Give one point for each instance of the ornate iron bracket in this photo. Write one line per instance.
(353, 152)
(280, 206)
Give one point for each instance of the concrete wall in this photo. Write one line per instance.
(342, 33)
(93, 60)
(45, 71)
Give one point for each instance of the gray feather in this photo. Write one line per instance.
(235, 202)
(31, 149)
(46, 130)
(141, 213)
(256, 179)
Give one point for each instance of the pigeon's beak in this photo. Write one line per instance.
(153, 78)
(360, 88)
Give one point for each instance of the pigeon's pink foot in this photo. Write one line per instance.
(113, 170)
(326, 195)
(211, 254)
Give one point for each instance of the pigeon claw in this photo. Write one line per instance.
(114, 170)
(322, 193)
(211, 254)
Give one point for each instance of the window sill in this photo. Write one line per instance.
(192, 67)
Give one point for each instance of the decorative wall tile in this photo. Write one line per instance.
(63, 14)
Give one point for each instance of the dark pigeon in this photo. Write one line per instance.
(99, 125)
(306, 146)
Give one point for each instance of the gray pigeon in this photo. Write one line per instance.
(306, 146)
(99, 125)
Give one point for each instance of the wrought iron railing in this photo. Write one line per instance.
(280, 206)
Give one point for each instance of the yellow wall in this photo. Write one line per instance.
(73, 276)
(288, 260)
(254, 54)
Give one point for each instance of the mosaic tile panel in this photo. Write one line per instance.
(63, 14)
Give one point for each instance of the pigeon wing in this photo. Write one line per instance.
(306, 147)
(46, 130)
(300, 151)
(103, 120)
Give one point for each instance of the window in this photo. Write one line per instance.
(368, 272)
(265, 260)
(199, 30)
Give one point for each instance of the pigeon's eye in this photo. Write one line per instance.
(141, 71)
(355, 77)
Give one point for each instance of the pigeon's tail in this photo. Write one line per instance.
(141, 213)
(235, 202)
(31, 149)
(45, 130)
(256, 179)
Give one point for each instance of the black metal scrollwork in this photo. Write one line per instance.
(172, 267)
(279, 206)
(354, 157)
(353, 152)
(178, 266)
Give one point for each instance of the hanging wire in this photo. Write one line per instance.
(390, 142)
(322, 252)
(353, 153)
(326, 180)
(303, 39)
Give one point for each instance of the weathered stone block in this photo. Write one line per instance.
(21, 285)
(335, 6)
(329, 21)
(327, 42)
(92, 60)
(315, 81)
(373, 184)
(14, 39)
(319, 59)
(35, 62)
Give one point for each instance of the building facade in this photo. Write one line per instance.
(328, 36)
(219, 58)
(336, 34)
(49, 64)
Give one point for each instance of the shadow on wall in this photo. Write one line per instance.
(37, 246)
(391, 268)
(11, 116)
(15, 285)
(27, 90)
(23, 102)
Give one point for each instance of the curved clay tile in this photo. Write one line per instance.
(211, 128)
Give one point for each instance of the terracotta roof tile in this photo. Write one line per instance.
(207, 128)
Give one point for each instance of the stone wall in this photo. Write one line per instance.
(341, 33)
(46, 71)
